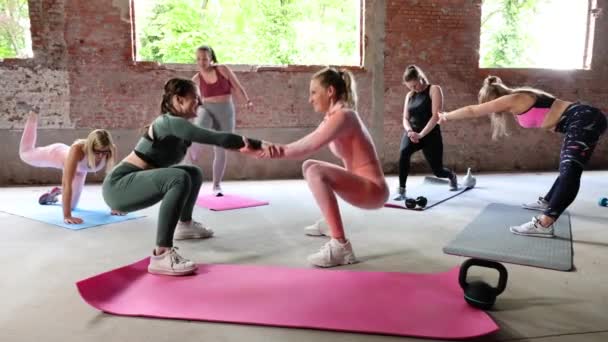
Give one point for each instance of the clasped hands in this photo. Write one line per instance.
(414, 136)
(268, 151)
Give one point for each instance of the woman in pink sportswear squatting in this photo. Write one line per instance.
(84, 156)
(360, 181)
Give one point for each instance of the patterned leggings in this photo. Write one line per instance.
(582, 125)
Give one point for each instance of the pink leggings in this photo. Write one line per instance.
(327, 181)
(53, 155)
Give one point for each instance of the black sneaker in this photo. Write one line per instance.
(453, 182)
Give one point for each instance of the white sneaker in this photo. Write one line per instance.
(319, 228)
(400, 194)
(217, 191)
(533, 228)
(171, 263)
(191, 230)
(541, 205)
(333, 254)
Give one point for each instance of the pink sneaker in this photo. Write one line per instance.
(50, 197)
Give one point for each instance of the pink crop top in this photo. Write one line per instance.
(221, 87)
(535, 115)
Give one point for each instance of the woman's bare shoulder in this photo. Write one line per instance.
(77, 149)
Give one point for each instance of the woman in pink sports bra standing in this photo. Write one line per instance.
(83, 156)
(582, 126)
(216, 84)
(359, 181)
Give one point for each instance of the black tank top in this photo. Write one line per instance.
(420, 108)
(542, 101)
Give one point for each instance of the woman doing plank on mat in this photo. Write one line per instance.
(420, 115)
(360, 181)
(85, 155)
(149, 175)
(581, 124)
(216, 84)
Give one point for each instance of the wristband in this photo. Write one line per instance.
(255, 143)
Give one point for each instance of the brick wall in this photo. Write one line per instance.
(82, 76)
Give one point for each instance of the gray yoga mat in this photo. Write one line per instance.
(435, 190)
(488, 237)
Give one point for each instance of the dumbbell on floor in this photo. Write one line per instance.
(420, 201)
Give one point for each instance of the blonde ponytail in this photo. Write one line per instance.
(343, 82)
(350, 92)
(493, 88)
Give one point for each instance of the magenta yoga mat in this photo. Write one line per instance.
(406, 304)
(227, 202)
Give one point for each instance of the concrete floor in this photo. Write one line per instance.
(41, 263)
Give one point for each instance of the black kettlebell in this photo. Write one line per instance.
(480, 294)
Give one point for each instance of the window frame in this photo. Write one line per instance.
(593, 12)
(251, 67)
(12, 60)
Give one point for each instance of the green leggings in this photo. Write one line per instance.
(129, 188)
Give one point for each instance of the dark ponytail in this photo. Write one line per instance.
(175, 86)
(207, 48)
(413, 72)
(165, 105)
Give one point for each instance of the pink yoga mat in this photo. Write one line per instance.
(227, 202)
(406, 304)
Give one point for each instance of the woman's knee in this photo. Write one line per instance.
(307, 164)
(570, 170)
(180, 179)
(405, 153)
(317, 173)
(196, 174)
(25, 157)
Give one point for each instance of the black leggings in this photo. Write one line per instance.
(582, 125)
(432, 148)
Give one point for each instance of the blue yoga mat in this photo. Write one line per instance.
(52, 214)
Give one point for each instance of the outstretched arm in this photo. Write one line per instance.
(186, 130)
(501, 104)
(332, 127)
